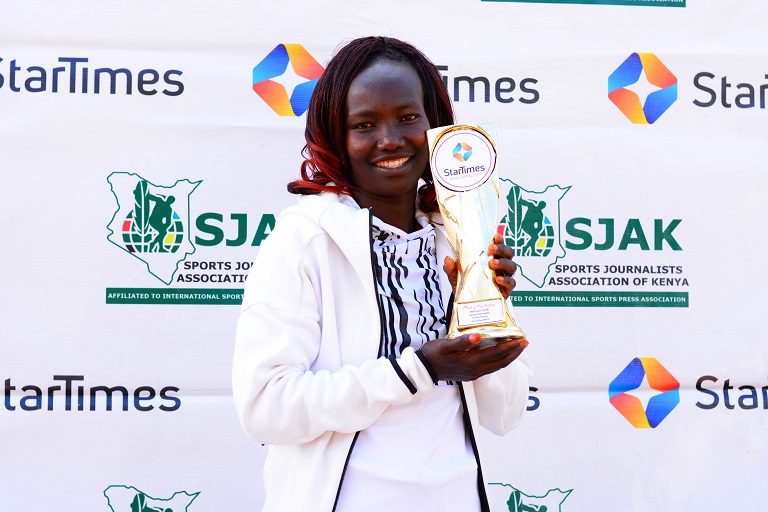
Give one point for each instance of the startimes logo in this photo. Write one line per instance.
(462, 152)
(628, 101)
(75, 76)
(630, 379)
(275, 65)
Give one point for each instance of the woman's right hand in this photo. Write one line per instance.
(459, 359)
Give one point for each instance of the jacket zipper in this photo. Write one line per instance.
(378, 302)
(484, 506)
(344, 471)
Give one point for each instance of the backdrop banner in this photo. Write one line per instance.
(632, 140)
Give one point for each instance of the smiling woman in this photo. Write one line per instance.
(387, 140)
(341, 363)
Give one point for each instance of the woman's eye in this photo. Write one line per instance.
(410, 117)
(362, 126)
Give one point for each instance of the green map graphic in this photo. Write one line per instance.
(506, 498)
(123, 498)
(151, 222)
(532, 228)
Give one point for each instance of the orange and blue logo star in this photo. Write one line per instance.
(657, 74)
(274, 65)
(630, 379)
(462, 152)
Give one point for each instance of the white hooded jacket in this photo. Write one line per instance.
(306, 377)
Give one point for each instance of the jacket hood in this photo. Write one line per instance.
(349, 228)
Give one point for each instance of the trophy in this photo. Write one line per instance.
(463, 162)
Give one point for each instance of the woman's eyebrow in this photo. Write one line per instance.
(372, 111)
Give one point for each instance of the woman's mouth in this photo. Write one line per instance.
(394, 163)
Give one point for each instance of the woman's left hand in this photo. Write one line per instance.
(501, 263)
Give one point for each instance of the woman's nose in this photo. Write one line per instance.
(391, 136)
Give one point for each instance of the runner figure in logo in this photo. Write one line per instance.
(527, 228)
(153, 225)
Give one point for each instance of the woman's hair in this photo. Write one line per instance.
(325, 154)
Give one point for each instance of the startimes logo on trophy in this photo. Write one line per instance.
(463, 161)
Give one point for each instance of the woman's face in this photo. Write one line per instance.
(386, 131)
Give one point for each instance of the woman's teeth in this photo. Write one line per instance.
(391, 164)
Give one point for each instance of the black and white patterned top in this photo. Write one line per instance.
(407, 285)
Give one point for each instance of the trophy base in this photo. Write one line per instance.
(492, 335)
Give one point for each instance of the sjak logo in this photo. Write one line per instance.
(631, 378)
(504, 495)
(275, 65)
(656, 74)
(532, 228)
(122, 498)
(152, 222)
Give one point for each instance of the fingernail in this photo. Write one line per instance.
(474, 338)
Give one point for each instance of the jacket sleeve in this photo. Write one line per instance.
(279, 398)
(502, 396)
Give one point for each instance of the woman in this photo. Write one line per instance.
(341, 365)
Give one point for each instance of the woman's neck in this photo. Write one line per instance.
(399, 212)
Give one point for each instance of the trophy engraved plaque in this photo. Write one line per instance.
(463, 162)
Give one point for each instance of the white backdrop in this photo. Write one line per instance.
(659, 204)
